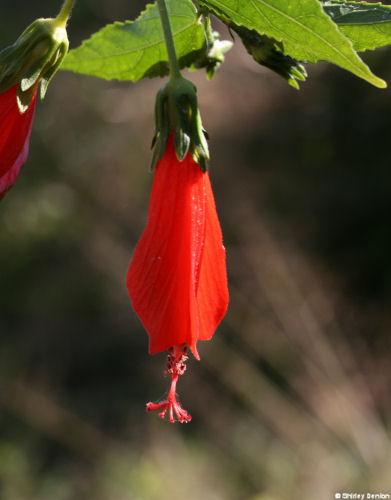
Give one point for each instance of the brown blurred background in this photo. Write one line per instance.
(291, 400)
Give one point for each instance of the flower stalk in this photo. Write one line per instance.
(64, 14)
(169, 39)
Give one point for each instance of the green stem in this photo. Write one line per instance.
(172, 58)
(65, 12)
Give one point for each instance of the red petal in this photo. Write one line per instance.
(212, 290)
(15, 134)
(177, 277)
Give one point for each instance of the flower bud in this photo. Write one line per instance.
(270, 53)
(215, 50)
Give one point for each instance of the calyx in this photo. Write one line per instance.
(177, 113)
(33, 59)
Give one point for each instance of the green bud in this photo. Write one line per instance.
(215, 50)
(33, 59)
(270, 53)
(216, 54)
(177, 113)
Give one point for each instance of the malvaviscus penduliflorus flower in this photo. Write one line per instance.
(26, 68)
(177, 277)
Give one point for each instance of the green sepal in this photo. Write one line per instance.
(23, 99)
(162, 130)
(30, 80)
(202, 161)
(49, 72)
(181, 143)
(36, 55)
(177, 113)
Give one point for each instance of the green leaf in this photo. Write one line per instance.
(132, 50)
(367, 25)
(305, 30)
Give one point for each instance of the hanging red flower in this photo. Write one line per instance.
(14, 137)
(177, 278)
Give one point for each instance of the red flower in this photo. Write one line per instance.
(15, 134)
(177, 277)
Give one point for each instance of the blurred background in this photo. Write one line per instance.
(292, 398)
